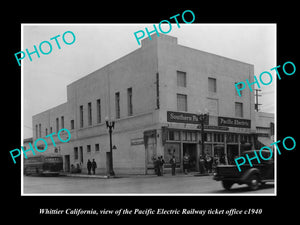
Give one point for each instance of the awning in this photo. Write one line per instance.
(266, 141)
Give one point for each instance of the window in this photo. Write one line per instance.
(72, 124)
(129, 101)
(181, 79)
(117, 103)
(75, 153)
(89, 113)
(46, 131)
(50, 130)
(81, 115)
(40, 130)
(181, 102)
(88, 148)
(81, 154)
(98, 111)
(36, 131)
(239, 87)
(239, 109)
(57, 125)
(62, 122)
(212, 85)
(97, 147)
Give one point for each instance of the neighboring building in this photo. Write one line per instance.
(264, 129)
(26, 145)
(154, 94)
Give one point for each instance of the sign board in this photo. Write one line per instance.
(234, 122)
(180, 117)
(137, 141)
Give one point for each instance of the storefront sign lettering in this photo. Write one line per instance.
(180, 117)
(234, 122)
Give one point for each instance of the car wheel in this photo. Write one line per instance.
(227, 184)
(253, 182)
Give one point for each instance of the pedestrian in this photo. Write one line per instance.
(216, 162)
(94, 166)
(155, 164)
(186, 163)
(161, 165)
(209, 161)
(173, 164)
(201, 165)
(89, 166)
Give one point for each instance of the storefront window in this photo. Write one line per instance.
(188, 136)
(170, 150)
(173, 135)
(194, 136)
(209, 137)
(176, 135)
(208, 149)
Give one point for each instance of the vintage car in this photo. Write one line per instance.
(253, 176)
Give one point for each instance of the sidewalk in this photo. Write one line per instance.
(99, 176)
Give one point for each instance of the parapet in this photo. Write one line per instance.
(162, 38)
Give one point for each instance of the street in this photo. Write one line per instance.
(146, 184)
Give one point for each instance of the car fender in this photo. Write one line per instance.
(248, 173)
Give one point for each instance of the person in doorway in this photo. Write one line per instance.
(186, 163)
(173, 165)
(94, 166)
(201, 164)
(89, 166)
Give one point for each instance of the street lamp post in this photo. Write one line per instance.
(110, 125)
(202, 117)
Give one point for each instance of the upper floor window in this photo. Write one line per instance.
(212, 85)
(181, 79)
(181, 102)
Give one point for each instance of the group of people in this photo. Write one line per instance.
(91, 166)
(207, 163)
(158, 165)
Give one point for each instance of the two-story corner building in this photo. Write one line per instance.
(154, 94)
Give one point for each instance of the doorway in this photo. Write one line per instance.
(67, 163)
(232, 152)
(191, 150)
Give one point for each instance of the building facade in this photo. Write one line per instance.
(154, 95)
(265, 129)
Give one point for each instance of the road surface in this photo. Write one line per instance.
(167, 184)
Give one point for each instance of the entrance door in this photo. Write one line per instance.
(67, 163)
(191, 150)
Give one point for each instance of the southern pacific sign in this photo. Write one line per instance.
(180, 117)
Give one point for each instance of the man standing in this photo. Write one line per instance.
(173, 164)
(186, 163)
(161, 165)
(89, 166)
(94, 166)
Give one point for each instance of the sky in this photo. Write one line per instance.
(44, 79)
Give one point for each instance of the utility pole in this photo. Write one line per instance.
(256, 97)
